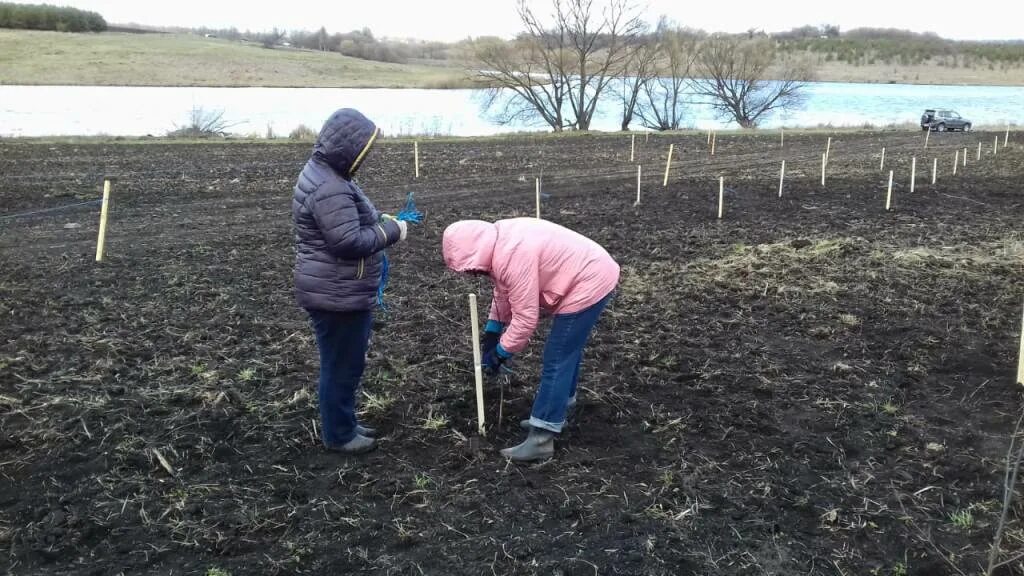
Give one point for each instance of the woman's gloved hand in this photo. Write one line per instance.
(495, 361)
(492, 334)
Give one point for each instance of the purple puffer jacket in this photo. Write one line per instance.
(339, 234)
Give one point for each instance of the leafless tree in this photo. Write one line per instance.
(570, 61)
(638, 69)
(734, 75)
(663, 102)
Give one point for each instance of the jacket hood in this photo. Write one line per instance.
(345, 140)
(468, 245)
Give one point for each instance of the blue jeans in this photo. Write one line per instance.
(343, 338)
(563, 353)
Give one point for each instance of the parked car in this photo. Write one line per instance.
(942, 120)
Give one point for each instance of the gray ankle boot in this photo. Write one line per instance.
(570, 410)
(358, 445)
(365, 431)
(539, 445)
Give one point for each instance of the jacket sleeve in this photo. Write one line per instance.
(337, 218)
(522, 285)
(499, 307)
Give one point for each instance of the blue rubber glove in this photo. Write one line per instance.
(492, 334)
(494, 361)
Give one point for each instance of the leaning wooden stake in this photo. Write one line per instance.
(913, 173)
(637, 203)
(713, 135)
(888, 194)
(632, 147)
(721, 195)
(881, 165)
(926, 135)
(1020, 356)
(782, 177)
(935, 169)
(668, 165)
(102, 239)
(416, 157)
(478, 370)
(956, 161)
(537, 187)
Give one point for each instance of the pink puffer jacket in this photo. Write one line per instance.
(535, 265)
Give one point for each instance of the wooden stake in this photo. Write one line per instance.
(104, 211)
(995, 146)
(1020, 360)
(647, 137)
(913, 173)
(637, 185)
(713, 136)
(1006, 137)
(416, 157)
(956, 161)
(721, 195)
(888, 194)
(828, 149)
(782, 137)
(979, 150)
(478, 370)
(881, 165)
(935, 169)
(824, 160)
(668, 164)
(926, 135)
(782, 177)
(537, 182)
(965, 157)
(632, 147)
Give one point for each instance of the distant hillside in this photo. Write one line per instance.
(126, 59)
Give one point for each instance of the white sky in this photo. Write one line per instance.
(450, 20)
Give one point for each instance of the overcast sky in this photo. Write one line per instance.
(450, 20)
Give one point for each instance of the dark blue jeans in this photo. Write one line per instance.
(343, 338)
(563, 353)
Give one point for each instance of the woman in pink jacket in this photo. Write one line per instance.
(537, 267)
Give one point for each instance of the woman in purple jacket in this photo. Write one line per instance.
(339, 242)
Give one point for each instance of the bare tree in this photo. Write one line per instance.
(733, 74)
(638, 69)
(664, 99)
(570, 61)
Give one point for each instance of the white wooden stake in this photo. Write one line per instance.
(1006, 137)
(824, 160)
(537, 183)
(632, 147)
(926, 135)
(979, 150)
(964, 158)
(881, 165)
(637, 185)
(995, 146)
(935, 169)
(1020, 360)
(888, 194)
(828, 149)
(102, 239)
(913, 173)
(956, 161)
(478, 370)
(713, 135)
(782, 137)
(782, 177)
(721, 196)
(668, 164)
(416, 157)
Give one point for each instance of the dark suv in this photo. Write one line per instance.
(943, 120)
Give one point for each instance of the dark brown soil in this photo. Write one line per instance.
(811, 385)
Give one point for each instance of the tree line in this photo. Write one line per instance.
(557, 70)
(46, 17)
